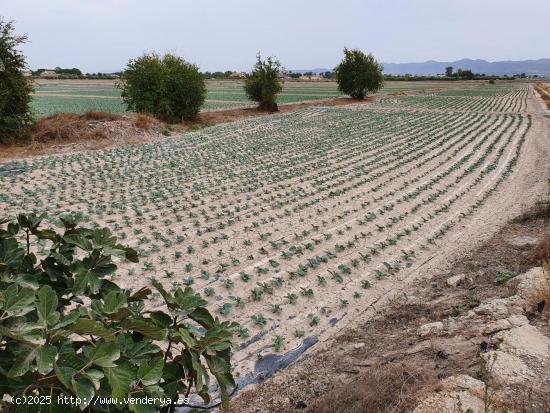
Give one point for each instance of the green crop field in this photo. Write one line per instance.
(70, 96)
(284, 222)
(78, 96)
(484, 99)
(44, 105)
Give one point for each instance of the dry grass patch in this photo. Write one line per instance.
(91, 130)
(544, 92)
(100, 116)
(66, 127)
(541, 253)
(539, 302)
(70, 127)
(145, 121)
(385, 389)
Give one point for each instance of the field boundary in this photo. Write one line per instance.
(116, 133)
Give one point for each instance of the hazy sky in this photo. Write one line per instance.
(101, 35)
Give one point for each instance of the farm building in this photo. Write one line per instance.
(237, 75)
(49, 74)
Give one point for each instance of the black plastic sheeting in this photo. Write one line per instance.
(265, 367)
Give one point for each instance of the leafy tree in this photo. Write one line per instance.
(264, 83)
(218, 75)
(465, 74)
(359, 74)
(66, 330)
(449, 71)
(167, 87)
(74, 71)
(15, 88)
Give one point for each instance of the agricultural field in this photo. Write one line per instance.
(78, 96)
(291, 223)
(477, 100)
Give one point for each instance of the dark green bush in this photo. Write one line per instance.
(359, 74)
(167, 87)
(15, 89)
(264, 83)
(66, 330)
(464, 74)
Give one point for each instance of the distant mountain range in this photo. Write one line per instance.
(505, 67)
(432, 67)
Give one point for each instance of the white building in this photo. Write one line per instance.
(49, 74)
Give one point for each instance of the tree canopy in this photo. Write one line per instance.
(264, 83)
(359, 74)
(15, 88)
(167, 87)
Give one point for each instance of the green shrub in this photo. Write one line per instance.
(503, 277)
(465, 74)
(359, 74)
(167, 87)
(15, 89)
(264, 83)
(66, 330)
